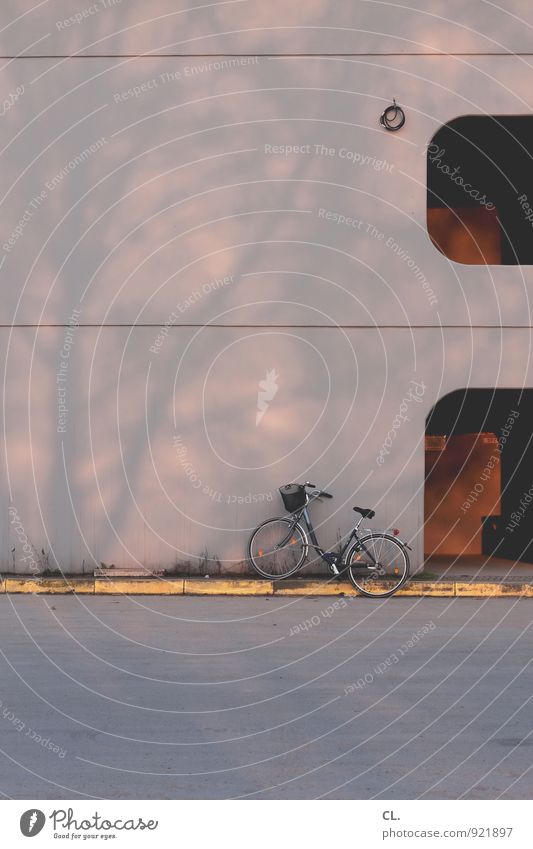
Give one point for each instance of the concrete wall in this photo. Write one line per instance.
(126, 27)
(206, 193)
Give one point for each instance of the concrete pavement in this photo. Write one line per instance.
(265, 697)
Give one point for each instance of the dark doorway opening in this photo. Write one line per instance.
(480, 189)
(479, 474)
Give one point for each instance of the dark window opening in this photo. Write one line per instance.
(478, 496)
(480, 190)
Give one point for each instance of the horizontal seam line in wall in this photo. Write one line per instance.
(295, 326)
(242, 55)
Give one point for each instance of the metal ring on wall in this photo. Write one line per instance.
(393, 117)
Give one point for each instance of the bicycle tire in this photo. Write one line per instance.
(293, 554)
(380, 583)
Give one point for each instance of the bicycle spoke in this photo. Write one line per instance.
(276, 549)
(392, 566)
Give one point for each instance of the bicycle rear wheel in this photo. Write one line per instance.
(265, 555)
(378, 565)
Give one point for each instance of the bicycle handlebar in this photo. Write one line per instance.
(319, 493)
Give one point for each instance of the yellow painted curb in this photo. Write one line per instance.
(305, 588)
(240, 587)
(493, 590)
(227, 587)
(143, 586)
(435, 589)
(49, 585)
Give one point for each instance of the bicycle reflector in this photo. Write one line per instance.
(396, 531)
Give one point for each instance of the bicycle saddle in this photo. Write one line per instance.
(365, 513)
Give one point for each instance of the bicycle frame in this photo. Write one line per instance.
(332, 559)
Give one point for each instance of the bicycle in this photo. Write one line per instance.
(377, 563)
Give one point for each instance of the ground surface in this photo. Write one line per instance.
(229, 697)
(477, 568)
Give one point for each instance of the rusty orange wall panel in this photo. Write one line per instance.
(463, 483)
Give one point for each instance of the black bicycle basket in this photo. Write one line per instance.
(294, 496)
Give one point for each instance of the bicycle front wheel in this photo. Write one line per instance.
(276, 549)
(378, 565)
